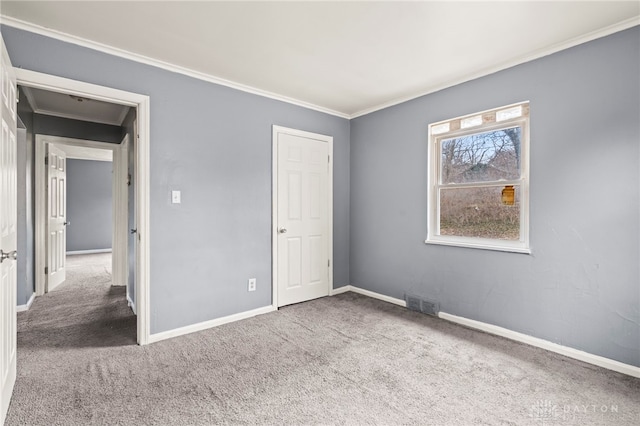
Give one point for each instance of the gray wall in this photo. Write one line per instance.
(214, 144)
(26, 203)
(89, 205)
(580, 286)
(68, 128)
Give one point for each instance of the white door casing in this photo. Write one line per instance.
(303, 213)
(120, 209)
(56, 216)
(134, 235)
(8, 232)
(87, 148)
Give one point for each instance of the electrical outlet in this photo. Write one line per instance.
(252, 284)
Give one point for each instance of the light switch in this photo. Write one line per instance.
(175, 197)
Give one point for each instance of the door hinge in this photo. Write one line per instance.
(46, 161)
(329, 263)
(328, 158)
(46, 270)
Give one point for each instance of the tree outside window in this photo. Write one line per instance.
(478, 189)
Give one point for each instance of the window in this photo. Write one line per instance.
(479, 180)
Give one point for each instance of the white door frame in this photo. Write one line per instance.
(141, 103)
(274, 204)
(118, 204)
(119, 261)
(120, 268)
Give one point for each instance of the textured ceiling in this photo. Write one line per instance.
(345, 57)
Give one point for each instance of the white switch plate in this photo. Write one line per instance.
(252, 284)
(175, 197)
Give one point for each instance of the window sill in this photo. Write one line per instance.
(480, 244)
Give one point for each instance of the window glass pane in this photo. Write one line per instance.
(479, 212)
(481, 157)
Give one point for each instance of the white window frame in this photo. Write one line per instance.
(516, 115)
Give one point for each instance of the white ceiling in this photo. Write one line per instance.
(343, 57)
(67, 106)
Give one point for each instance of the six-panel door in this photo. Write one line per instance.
(302, 216)
(56, 208)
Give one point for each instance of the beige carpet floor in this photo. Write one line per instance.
(345, 360)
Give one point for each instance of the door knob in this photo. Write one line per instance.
(8, 255)
(134, 231)
(67, 223)
(282, 230)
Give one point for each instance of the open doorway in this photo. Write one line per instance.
(81, 205)
(81, 190)
(80, 214)
(129, 159)
(84, 304)
(89, 201)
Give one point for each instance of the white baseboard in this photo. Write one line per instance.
(340, 290)
(131, 305)
(598, 360)
(72, 253)
(488, 328)
(25, 307)
(156, 337)
(378, 296)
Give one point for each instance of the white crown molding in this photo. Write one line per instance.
(110, 50)
(602, 32)
(59, 35)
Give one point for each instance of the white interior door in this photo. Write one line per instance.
(56, 216)
(8, 233)
(303, 231)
